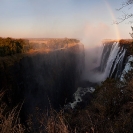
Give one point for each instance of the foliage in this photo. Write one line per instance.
(128, 45)
(47, 122)
(9, 120)
(111, 110)
(9, 46)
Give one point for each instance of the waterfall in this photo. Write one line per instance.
(118, 63)
(109, 64)
(112, 60)
(113, 53)
(115, 62)
(105, 55)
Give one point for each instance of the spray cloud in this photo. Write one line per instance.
(93, 36)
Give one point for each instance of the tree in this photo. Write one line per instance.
(126, 16)
(127, 4)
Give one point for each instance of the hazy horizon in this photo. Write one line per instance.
(89, 21)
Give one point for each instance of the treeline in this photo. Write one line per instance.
(54, 44)
(10, 46)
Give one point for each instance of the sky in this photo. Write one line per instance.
(83, 19)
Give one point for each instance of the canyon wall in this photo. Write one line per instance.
(43, 80)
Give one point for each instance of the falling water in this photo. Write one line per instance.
(111, 63)
(114, 61)
(113, 53)
(118, 63)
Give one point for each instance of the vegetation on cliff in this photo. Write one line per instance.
(128, 45)
(111, 110)
(10, 46)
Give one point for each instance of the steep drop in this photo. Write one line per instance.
(43, 80)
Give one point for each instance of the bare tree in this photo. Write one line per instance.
(125, 16)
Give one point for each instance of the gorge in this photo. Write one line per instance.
(114, 63)
(61, 77)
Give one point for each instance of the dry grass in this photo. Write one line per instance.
(56, 124)
(111, 111)
(48, 122)
(9, 121)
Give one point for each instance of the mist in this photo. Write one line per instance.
(92, 40)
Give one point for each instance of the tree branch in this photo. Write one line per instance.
(125, 17)
(129, 2)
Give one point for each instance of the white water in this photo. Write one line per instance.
(112, 56)
(118, 58)
(120, 63)
(110, 60)
(128, 67)
(79, 94)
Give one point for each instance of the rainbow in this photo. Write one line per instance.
(118, 37)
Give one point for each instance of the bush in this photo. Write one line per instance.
(9, 120)
(9, 46)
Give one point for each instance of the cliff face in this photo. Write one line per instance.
(43, 80)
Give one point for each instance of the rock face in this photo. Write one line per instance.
(46, 80)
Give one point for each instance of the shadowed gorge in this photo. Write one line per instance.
(60, 86)
(43, 80)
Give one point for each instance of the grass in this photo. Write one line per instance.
(111, 111)
(9, 120)
(50, 122)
